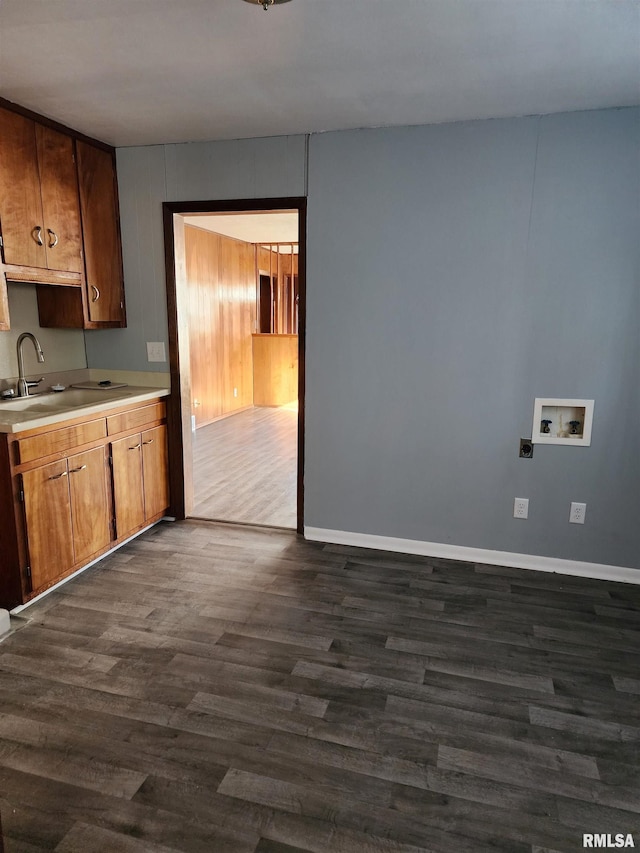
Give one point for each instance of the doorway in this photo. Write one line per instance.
(236, 299)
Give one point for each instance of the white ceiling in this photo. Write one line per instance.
(265, 227)
(150, 71)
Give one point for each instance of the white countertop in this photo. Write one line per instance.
(41, 410)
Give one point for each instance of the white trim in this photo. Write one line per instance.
(558, 408)
(31, 601)
(577, 568)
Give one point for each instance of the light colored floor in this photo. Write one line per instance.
(245, 468)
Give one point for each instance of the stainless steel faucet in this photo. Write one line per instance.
(24, 384)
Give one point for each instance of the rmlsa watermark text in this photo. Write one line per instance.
(605, 840)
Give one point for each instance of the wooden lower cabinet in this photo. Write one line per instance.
(72, 493)
(155, 470)
(128, 494)
(47, 508)
(140, 478)
(67, 514)
(90, 503)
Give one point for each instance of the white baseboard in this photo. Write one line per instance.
(577, 568)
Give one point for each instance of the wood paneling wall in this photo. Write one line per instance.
(221, 277)
(275, 369)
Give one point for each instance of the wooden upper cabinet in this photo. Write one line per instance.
(101, 231)
(21, 217)
(59, 224)
(60, 204)
(39, 207)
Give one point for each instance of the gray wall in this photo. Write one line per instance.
(149, 175)
(456, 272)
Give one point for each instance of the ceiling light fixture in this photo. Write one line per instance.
(266, 3)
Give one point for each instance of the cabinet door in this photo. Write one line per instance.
(90, 513)
(155, 471)
(23, 230)
(60, 203)
(101, 231)
(128, 495)
(48, 518)
(5, 323)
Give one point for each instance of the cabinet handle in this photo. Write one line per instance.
(151, 440)
(57, 476)
(52, 242)
(135, 447)
(75, 470)
(36, 233)
(96, 292)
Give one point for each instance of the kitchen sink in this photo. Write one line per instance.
(61, 401)
(52, 407)
(35, 403)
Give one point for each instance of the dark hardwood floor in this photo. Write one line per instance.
(245, 468)
(220, 689)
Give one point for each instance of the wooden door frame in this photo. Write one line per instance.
(179, 405)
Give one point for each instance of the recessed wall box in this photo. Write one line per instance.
(559, 421)
(526, 448)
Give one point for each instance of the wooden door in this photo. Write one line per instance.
(48, 517)
(90, 513)
(100, 225)
(203, 293)
(21, 218)
(155, 470)
(128, 494)
(60, 204)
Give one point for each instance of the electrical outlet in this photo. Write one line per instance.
(577, 513)
(155, 351)
(521, 508)
(235, 392)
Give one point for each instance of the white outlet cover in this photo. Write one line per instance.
(156, 351)
(577, 512)
(521, 508)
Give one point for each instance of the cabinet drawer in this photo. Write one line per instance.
(60, 440)
(136, 418)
